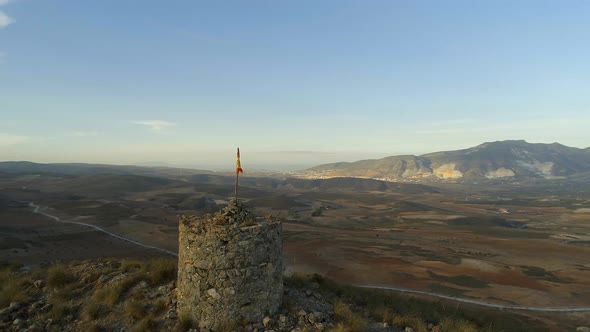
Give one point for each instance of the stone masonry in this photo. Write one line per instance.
(229, 268)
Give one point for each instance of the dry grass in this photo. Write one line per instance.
(59, 311)
(134, 309)
(160, 306)
(388, 315)
(91, 311)
(412, 321)
(349, 320)
(64, 294)
(130, 265)
(58, 276)
(161, 270)
(145, 325)
(457, 325)
(106, 296)
(111, 294)
(11, 288)
(184, 324)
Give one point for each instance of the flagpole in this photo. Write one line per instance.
(237, 175)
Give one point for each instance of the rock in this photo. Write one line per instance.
(436, 328)
(385, 325)
(18, 322)
(15, 306)
(408, 329)
(266, 321)
(33, 328)
(301, 313)
(320, 326)
(213, 293)
(38, 284)
(311, 317)
(283, 321)
(171, 314)
(142, 285)
(103, 278)
(582, 329)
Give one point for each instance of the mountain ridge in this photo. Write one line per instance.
(510, 159)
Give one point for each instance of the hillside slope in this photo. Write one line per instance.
(492, 160)
(134, 295)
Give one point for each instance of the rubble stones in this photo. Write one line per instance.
(229, 267)
(38, 284)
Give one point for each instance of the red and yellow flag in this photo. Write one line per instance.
(238, 166)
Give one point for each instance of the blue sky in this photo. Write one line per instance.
(293, 83)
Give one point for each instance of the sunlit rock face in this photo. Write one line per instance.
(447, 171)
(499, 173)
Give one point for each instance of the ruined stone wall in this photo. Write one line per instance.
(229, 268)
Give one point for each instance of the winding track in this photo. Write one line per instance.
(485, 304)
(37, 209)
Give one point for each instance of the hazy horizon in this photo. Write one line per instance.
(293, 84)
(256, 161)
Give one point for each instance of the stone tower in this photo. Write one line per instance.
(229, 268)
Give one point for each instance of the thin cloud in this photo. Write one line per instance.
(5, 20)
(8, 139)
(155, 125)
(84, 133)
(300, 152)
(5, 2)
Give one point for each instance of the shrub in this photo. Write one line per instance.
(11, 291)
(134, 309)
(353, 322)
(64, 294)
(106, 296)
(11, 288)
(129, 265)
(91, 311)
(388, 315)
(160, 306)
(110, 295)
(125, 284)
(58, 276)
(146, 324)
(457, 325)
(59, 311)
(184, 324)
(410, 320)
(162, 270)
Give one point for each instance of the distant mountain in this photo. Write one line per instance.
(79, 169)
(492, 160)
(101, 178)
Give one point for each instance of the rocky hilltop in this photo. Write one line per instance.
(492, 160)
(135, 295)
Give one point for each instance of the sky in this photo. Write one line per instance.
(292, 83)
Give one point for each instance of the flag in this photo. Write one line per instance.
(238, 166)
